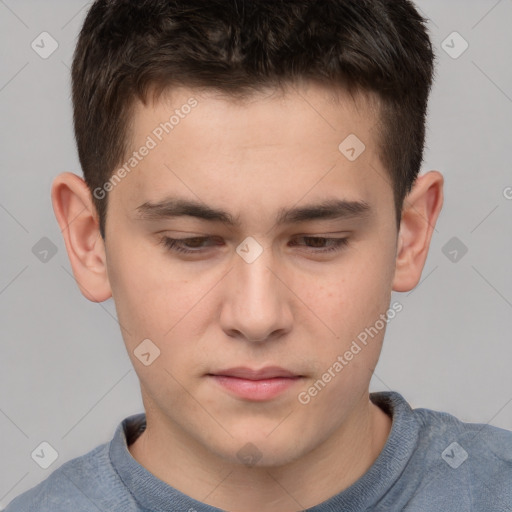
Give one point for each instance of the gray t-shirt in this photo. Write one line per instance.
(431, 462)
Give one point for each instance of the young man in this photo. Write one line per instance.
(251, 199)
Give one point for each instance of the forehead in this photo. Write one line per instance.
(267, 117)
(275, 146)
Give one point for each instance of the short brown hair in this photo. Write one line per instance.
(127, 48)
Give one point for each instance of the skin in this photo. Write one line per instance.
(293, 306)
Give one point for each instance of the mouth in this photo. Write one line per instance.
(255, 385)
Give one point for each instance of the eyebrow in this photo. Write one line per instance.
(329, 209)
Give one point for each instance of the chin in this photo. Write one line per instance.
(258, 451)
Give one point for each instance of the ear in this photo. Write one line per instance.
(78, 221)
(419, 216)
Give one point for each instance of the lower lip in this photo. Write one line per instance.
(256, 390)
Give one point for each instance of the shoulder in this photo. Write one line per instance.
(85, 483)
(482, 442)
(434, 429)
(447, 464)
(469, 460)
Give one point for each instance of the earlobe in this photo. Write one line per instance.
(77, 218)
(422, 207)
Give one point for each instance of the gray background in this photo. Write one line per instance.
(65, 376)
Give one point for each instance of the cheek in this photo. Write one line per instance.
(351, 295)
(348, 303)
(142, 293)
(154, 299)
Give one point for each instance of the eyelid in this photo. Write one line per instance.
(337, 244)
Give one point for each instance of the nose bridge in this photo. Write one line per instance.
(257, 278)
(255, 304)
(257, 282)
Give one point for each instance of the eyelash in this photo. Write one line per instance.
(173, 244)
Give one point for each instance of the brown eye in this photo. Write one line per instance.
(322, 244)
(186, 245)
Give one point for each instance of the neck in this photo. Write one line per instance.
(331, 467)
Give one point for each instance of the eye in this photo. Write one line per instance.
(196, 245)
(185, 245)
(322, 244)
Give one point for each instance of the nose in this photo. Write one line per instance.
(255, 305)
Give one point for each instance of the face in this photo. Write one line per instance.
(244, 238)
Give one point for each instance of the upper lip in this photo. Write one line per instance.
(268, 372)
